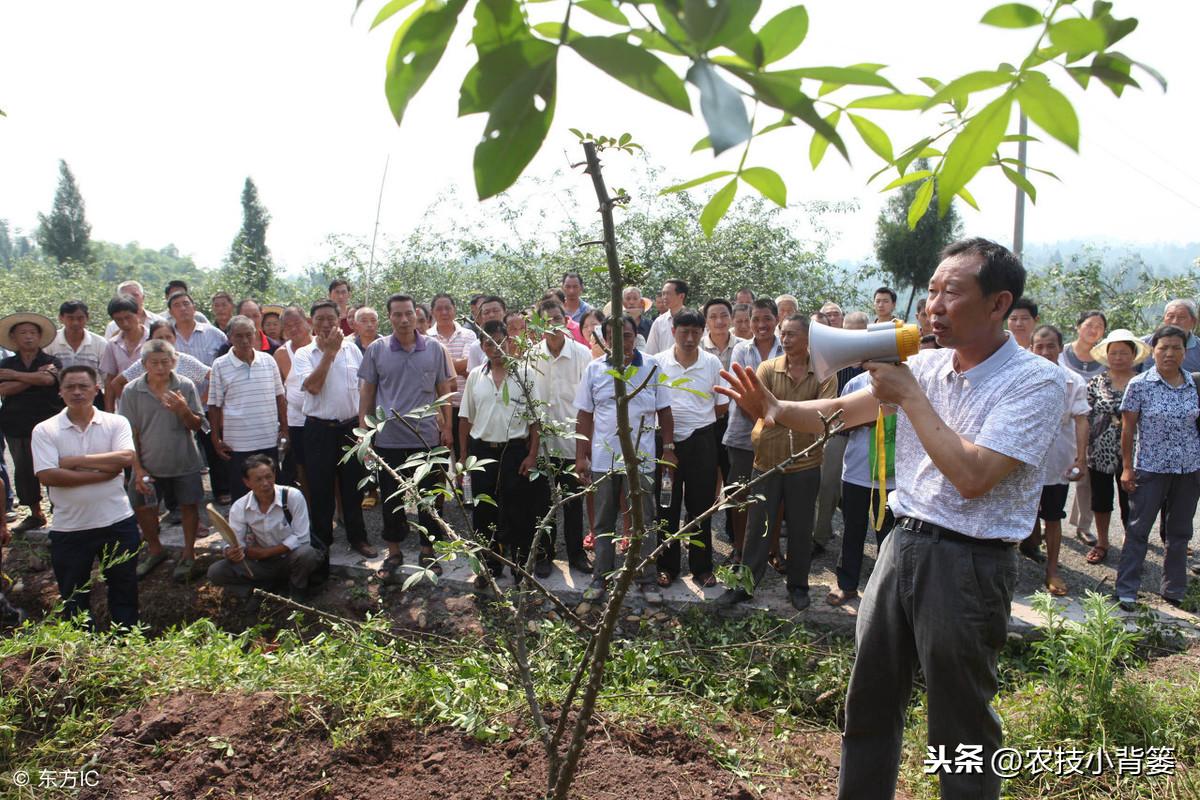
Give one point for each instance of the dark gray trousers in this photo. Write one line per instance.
(943, 605)
(295, 565)
(1175, 494)
(797, 493)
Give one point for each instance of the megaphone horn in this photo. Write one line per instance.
(832, 349)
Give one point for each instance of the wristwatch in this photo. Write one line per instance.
(669, 446)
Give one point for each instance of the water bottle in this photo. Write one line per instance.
(666, 486)
(151, 495)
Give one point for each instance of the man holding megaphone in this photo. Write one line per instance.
(974, 423)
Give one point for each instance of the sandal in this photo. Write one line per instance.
(589, 541)
(1056, 586)
(183, 570)
(778, 563)
(839, 597)
(705, 580)
(664, 579)
(151, 561)
(390, 565)
(1087, 537)
(430, 562)
(1097, 555)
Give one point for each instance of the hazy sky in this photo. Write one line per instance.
(162, 109)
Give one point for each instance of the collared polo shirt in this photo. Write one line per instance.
(496, 413)
(246, 394)
(1061, 454)
(338, 398)
(90, 352)
(22, 411)
(457, 344)
(406, 379)
(737, 433)
(93, 505)
(1010, 404)
(597, 395)
(556, 382)
(774, 445)
(111, 329)
(689, 410)
(579, 313)
(166, 448)
(204, 343)
(1166, 427)
(252, 526)
(119, 355)
(724, 354)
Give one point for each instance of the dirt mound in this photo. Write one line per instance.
(264, 745)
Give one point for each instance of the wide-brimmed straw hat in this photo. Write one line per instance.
(45, 325)
(272, 309)
(1140, 348)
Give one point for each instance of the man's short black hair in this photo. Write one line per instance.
(1167, 331)
(257, 460)
(121, 303)
(885, 290)
(73, 307)
(717, 301)
(802, 318)
(157, 325)
(174, 286)
(443, 296)
(574, 275)
(921, 305)
(400, 297)
(745, 289)
(222, 296)
(1001, 271)
(317, 306)
(86, 369)
(495, 326)
(242, 303)
(557, 293)
(336, 282)
(176, 295)
(681, 286)
(1057, 333)
(687, 318)
(1026, 303)
(475, 298)
(768, 304)
(550, 304)
(491, 298)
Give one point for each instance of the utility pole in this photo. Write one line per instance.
(1019, 215)
(375, 235)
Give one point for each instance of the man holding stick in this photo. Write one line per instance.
(974, 423)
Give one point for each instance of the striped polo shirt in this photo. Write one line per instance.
(246, 394)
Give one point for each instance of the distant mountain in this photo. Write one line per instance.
(1162, 258)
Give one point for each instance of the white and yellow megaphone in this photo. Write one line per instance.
(832, 349)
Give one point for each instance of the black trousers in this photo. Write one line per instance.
(218, 468)
(856, 504)
(324, 448)
(572, 513)
(237, 487)
(395, 521)
(694, 488)
(293, 458)
(72, 554)
(29, 491)
(725, 465)
(510, 523)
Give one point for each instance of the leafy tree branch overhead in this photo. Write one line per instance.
(731, 57)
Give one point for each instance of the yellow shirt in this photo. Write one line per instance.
(774, 445)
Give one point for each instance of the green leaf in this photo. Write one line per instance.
(1149, 70)
(782, 90)
(497, 23)
(920, 203)
(497, 69)
(517, 125)
(968, 84)
(416, 51)
(635, 68)
(968, 198)
(553, 31)
(1021, 182)
(717, 206)
(890, 102)
(603, 9)
(1012, 15)
(874, 136)
(854, 76)
(388, 10)
(786, 122)
(783, 33)
(768, 183)
(703, 144)
(1078, 37)
(1050, 110)
(711, 25)
(819, 144)
(911, 177)
(653, 40)
(712, 176)
(972, 148)
(721, 106)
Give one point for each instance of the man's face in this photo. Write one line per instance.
(423, 322)
(273, 326)
(75, 322)
(1046, 345)
(493, 347)
(741, 324)
(127, 321)
(366, 324)
(183, 310)
(261, 481)
(166, 333)
(293, 323)
(923, 320)
(687, 339)
(1180, 317)
(786, 308)
(242, 339)
(631, 301)
(26, 336)
(443, 311)
(490, 311)
(251, 311)
(672, 298)
(403, 316)
(762, 323)
(718, 319)
(958, 310)
(833, 313)
(324, 320)
(744, 296)
(158, 365)
(555, 319)
(629, 344)
(884, 304)
(794, 338)
(516, 326)
(78, 390)
(222, 308)
(137, 294)
(1020, 323)
(572, 288)
(340, 295)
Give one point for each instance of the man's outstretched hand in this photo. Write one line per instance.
(745, 389)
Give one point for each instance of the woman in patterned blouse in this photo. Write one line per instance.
(1160, 407)
(1120, 353)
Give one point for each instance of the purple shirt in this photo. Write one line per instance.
(405, 380)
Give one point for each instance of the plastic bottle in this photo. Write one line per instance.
(152, 495)
(666, 487)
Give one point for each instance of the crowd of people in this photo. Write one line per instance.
(263, 399)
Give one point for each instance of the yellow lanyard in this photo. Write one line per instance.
(877, 512)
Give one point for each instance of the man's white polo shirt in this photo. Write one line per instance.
(94, 505)
(690, 410)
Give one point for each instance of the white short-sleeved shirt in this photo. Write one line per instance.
(272, 528)
(689, 410)
(597, 395)
(90, 352)
(555, 383)
(338, 398)
(475, 356)
(458, 345)
(1061, 454)
(496, 413)
(246, 395)
(93, 505)
(1011, 404)
(662, 334)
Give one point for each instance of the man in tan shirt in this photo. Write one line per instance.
(794, 488)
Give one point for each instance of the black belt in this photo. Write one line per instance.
(497, 445)
(919, 526)
(705, 430)
(330, 423)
